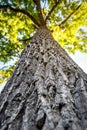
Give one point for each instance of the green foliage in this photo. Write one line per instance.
(12, 30)
(67, 20)
(5, 73)
(69, 33)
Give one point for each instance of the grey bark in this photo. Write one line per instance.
(47, 90)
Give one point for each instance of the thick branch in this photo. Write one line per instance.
(20, 11)
(40, 15)
(53, 8)
(69, 15)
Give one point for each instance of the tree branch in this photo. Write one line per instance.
(53, 8)
(24, 40)
(69, 15)
(40, 15)
(20, 11)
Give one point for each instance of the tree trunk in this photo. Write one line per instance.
(47, 90)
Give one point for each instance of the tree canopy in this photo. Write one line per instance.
(19, 19)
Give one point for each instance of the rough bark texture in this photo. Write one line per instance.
(47, 90)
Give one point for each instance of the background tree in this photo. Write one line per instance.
(47, 90)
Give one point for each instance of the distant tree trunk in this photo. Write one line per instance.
(47, 90)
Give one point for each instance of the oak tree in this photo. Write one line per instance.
(47, 89)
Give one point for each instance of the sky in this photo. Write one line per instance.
(78, 57)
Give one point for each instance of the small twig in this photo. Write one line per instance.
(20, 11)
(69, 15)
(44, 4)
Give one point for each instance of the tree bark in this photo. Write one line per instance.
(47, 90)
